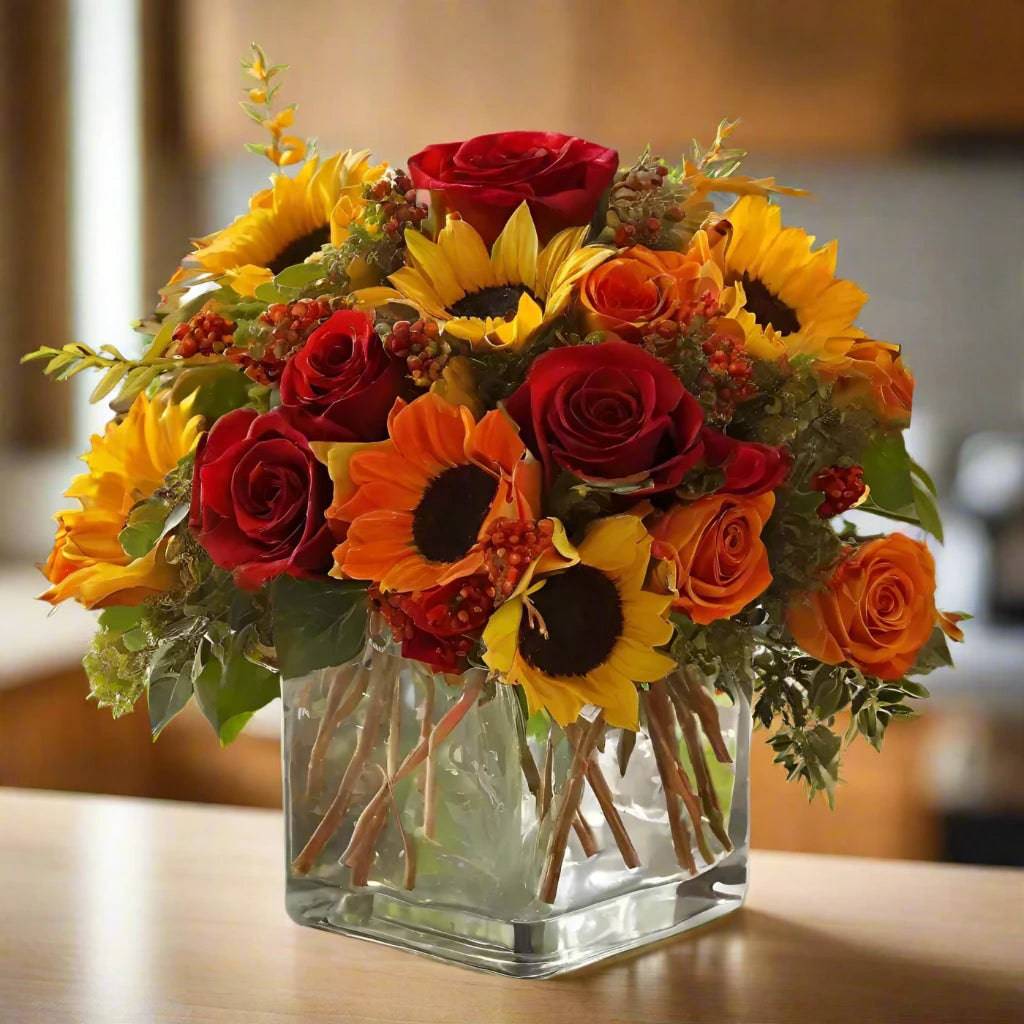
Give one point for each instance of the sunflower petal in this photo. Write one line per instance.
(514, 253)
(429, 259)
(466, 254)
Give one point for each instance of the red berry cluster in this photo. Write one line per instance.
(729, 371)
(205, 334)
(420, 345)
(290, 324)
(843, 487)
(509, 546)
(397, 199)
(443, 620)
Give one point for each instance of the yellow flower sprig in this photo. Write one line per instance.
(283, 149)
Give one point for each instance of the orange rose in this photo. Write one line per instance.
(876, 612)
(630, 293)
(711, 554)
(873, 374)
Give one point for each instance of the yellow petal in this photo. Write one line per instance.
(466, 254)
(246, 279)
(554, 254)
(514, 253)
(429, 259)
(501, 635)
(610, 544)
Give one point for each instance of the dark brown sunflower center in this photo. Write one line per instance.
(768, 309)
(583, 615)
(450, 513)
(502, 300)
(296, 251)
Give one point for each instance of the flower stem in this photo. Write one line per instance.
(705, 787)
(689, 683)
(342, 698)
(379, 689)
(599, 784)
(680, 833)
(370, 821)
(572, 793)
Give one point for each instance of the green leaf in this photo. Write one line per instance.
(299, 275)
(135, 640)
(218, 389)
(886, 466)
(229, 687)
(925, 502)
(928, 512)
(538, 725)
(935, 654)
(144, 528)
(169, 687)
(317, 624)
(120, 618)
(108, 382)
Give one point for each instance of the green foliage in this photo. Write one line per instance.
(723, 652)
(116, 670)
(218, 389)
(900, 488)
(170, 686)
(801, 547)
(288, 285)
(800, 698)
(229, 683)
(206, 619)
(317, 624)
(717, 161)
(144, 527)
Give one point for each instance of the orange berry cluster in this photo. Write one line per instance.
(420, 345)
(290, 324)
(729, 372)
(397, 198)
(509, 546)
(843, 487)
(205, 334)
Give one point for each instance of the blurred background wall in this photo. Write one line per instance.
(123, 138)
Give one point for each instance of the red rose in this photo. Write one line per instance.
(486, 178)
(749, 468)
(609, 412)
(341, 384)
(258, 499)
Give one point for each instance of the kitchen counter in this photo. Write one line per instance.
(118, 911)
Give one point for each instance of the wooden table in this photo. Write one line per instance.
(115, 911)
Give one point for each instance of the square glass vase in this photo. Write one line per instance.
(426, 812)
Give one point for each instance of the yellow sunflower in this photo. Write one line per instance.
(126, 465)
(585, 634)
(287, 222)
(784, 293)
(497, 298)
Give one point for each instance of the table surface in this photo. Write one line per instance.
(115, 911)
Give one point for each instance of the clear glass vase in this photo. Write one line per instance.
(426, 812)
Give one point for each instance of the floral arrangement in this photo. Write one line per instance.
(513, 407)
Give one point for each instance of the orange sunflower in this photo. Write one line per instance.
(417, 504)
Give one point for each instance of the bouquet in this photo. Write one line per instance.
(535, 420)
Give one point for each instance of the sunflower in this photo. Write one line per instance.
(496, 299)
(585, 634)
(126, 465)
(418, 504)
(784, 293)
(286, 223)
